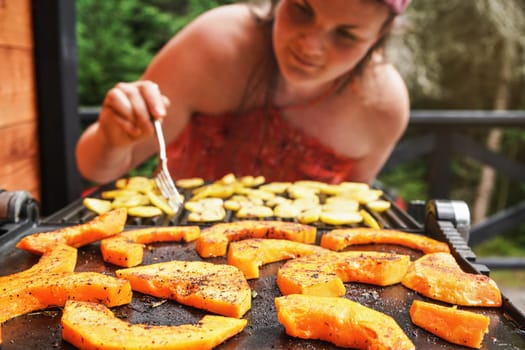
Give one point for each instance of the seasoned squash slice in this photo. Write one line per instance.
(93, 326)
(340, 321)
(100, 227)
(439, 277)
(214, 240)
(62, 258)
(249, 254)
(29, 294)
(127, 248)
(324, 274)
(461, 327)
(221, 289)
(339, 239)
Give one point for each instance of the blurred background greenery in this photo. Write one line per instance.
(453, 54)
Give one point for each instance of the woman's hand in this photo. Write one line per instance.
(128, 110)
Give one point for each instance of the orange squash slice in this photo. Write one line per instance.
(214, 240)
(221, 289)
(93, 326)
(62, 258)
(461, 327)
(126, 249)
(100, 227)
(249, 254)
(324, 274)
(340, 321)
(29, 294)
(339, 239)
(439, 277)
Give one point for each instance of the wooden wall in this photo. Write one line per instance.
(19, 158)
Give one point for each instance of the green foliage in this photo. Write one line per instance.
(116, 40)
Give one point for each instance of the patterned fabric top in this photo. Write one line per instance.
(213, 146)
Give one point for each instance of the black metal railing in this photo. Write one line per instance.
(445, 134)
(442, 135)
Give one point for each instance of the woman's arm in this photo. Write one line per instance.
(203, 68)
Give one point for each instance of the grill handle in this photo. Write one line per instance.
(454, 211)
(17, 205)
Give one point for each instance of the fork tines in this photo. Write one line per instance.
(163, 178)
(167, 188)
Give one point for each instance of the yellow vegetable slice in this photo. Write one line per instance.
(99, 206)
(309, 215)
(112, 194)
(252, 181)
(130, 201)
(369, 220)
(340, 217)
(286, 211)
(378, 205)
(255, 211)
(160, 202)
(144, 211)
(140, 183)
(204, 204)
(208, 215)
(190, 182)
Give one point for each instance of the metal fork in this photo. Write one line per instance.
(163, 178)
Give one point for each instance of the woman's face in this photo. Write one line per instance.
(316, 41)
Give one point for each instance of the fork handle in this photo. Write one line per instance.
(160, 139)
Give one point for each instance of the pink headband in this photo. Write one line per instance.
(397, 6)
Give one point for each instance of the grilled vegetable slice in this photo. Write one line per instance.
(127, 248)
(340, 217)
(341, 238)
(100, 227)
(438, 276)
(99, 206)
(29, 294)
(62, 258)
(214, 240)
(94, 326)
(221, 289)
(190, 182)
(461, 327)
(249, 254)
(144, 211)
(340, 321)
(324, 274)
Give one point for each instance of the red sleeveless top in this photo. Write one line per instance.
(256, 143)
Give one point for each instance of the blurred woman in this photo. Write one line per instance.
(287, 89)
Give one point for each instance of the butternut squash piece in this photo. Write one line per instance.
(221, 289)
(62, 258)
(29, 294)
(340, 321)
(102, 226)
(126, 249)
(93, 326)
(324, 274)
(456, 326)
(249, 254)
(439, 277)
(214, 240)
(339, 239)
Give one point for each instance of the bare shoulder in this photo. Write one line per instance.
(385, 95)
(215, 50)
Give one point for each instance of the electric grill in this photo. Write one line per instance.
(439, 219)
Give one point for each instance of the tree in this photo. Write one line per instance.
(115, 41)
(467, 54)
